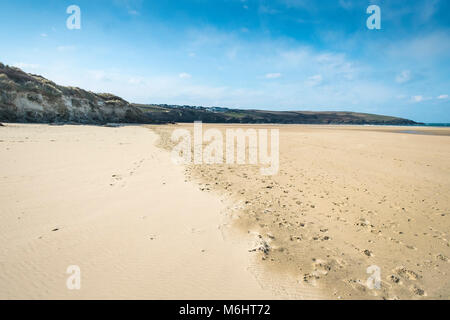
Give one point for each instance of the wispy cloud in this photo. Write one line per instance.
(403, 76)
(104, 76)
(427, 46)
(184, 75)
(314, 80)
(273, 75)
(66, 48)
(131, 6)
(263, 59)
(26, 66)
(346, 4)
(420, 98)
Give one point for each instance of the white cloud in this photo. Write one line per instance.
(443, 96)
(23, 65)
(44, 35)
(423, 48)
(314, 80)
(232, 53)
(184, 75)
(103, 76)
(421, 98)
(422, 11)
(136, 81)
(272, 75)
(263, 9)
(403, 76)
(65, 48)
(346, 4)
(418, 98)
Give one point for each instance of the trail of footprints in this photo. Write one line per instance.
(287, 226)
(120, 179)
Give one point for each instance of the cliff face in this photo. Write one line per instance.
(30, 98)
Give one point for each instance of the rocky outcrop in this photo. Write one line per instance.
(31, 98)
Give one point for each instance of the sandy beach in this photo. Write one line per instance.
(111, 201)
(346, 198)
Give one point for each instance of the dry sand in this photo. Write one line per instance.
(111, 202)
(345, 198)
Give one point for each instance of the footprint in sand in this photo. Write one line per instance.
(395, 279)
(311, 279)
(418, 291)
(441, 257)
(116, 179)
(406, 274)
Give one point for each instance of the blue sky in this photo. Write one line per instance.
(278, 54)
